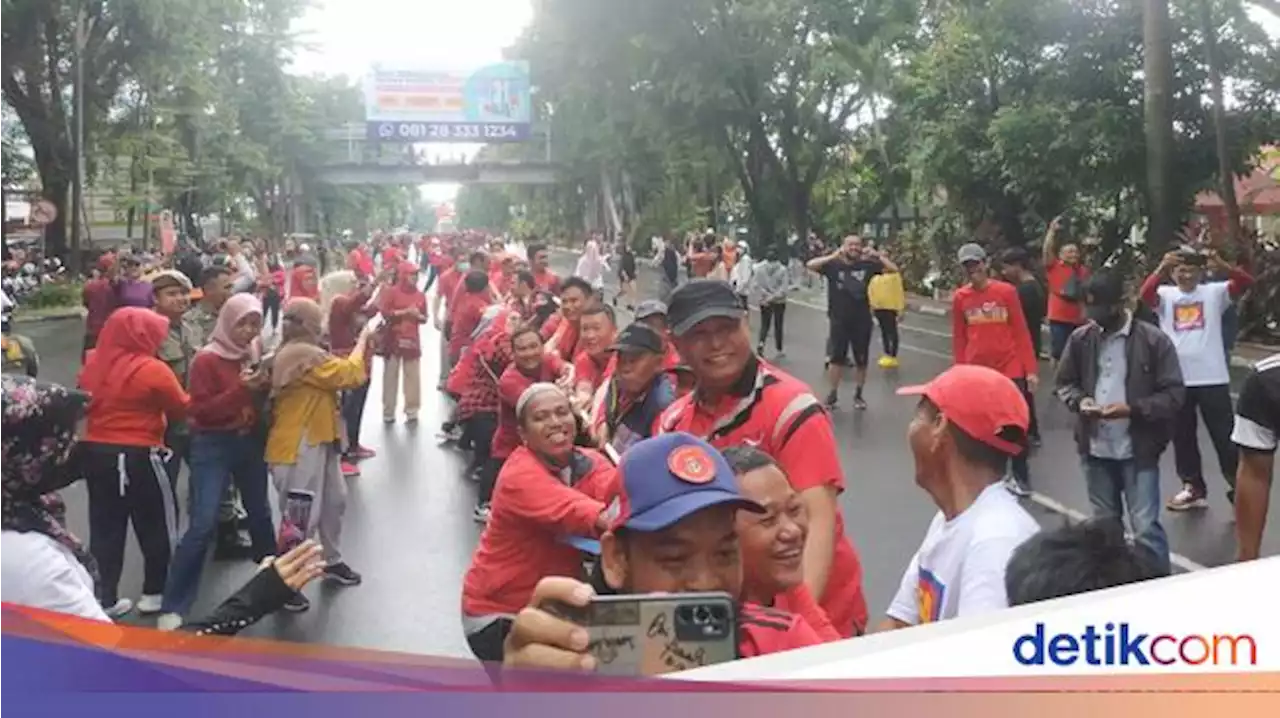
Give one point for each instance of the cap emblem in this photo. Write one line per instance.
(691, 464)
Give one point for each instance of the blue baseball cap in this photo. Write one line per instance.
(671, 476)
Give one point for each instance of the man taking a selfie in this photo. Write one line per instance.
(675, 533)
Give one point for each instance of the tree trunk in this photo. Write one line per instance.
(1157, 63)
(1226, 178)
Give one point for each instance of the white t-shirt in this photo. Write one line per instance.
(1193, 320)
(39, 572)
(959, 569)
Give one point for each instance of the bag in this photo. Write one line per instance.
(1073, 289)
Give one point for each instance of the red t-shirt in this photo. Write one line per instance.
(788, 423)
(511, 385)
(764, 631)
(1061, 310)
(988, 329)
(219, 401)
(588, 368)
(450, 279)
(547, 281)
(99, 300)
(464, 317)
(531, 512)
(565, 335)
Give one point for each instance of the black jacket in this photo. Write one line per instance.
(1153, 386)
(263, 594)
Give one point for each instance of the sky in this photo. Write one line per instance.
(347, 37)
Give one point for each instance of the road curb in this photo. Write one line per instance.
(20, 317)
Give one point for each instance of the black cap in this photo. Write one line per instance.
(701, 299)
(650, 308)
(638, 337)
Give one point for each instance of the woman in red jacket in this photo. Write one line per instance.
(548, 491)
(133, 395)
(226, 444)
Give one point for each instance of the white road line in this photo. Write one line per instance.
(1071, 514)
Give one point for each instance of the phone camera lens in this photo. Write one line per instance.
(701, 616)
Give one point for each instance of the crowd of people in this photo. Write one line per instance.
(662, 454)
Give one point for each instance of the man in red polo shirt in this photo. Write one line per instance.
(741, 399)
(540, 263)
(598, 330)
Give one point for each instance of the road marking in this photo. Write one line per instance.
(1071, 514)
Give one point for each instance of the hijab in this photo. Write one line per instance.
(301, 350)
(403, 293)
(129, 340)
(302, 284)
(233, 311)
(39, 428)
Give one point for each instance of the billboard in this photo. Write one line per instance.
(487, 104)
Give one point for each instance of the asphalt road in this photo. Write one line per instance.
(409, 528)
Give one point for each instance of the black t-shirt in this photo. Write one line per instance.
(671, 264)
(847, 286)
(1033, 299)
(1258, 410)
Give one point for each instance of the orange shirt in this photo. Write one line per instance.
(777, 413)
(1058, 275)
(135, 415)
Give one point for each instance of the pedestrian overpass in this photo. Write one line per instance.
(413, 173)
(353, 159)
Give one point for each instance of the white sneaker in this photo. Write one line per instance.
(150, 603)
(169, 622)
(120, 608)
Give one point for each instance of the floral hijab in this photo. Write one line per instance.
(39, 428)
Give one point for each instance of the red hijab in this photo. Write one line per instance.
(404, 293)
(303, 282)
(129, 340)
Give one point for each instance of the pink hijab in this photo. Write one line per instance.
(237, 307)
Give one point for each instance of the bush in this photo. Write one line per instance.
(54, 294)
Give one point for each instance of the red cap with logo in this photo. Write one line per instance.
(982, 403)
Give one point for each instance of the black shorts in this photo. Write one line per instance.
(849, 336)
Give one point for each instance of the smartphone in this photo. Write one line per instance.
(294, 520)
(375, 322)
(653, 634)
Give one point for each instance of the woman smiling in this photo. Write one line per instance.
(548, 490)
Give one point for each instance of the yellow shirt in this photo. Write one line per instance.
(885, 292)
(309, 407)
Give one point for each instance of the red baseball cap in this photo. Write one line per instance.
(982, 402)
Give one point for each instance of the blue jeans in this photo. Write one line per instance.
(1115, 485)
(215, 457)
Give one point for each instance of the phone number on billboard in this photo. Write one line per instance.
(447, 131)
